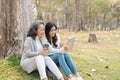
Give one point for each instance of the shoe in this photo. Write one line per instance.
(72, 79)
(78, 78)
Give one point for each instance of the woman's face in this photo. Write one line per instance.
(52, 32)
(40, 30)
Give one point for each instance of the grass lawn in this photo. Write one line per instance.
(95, 61)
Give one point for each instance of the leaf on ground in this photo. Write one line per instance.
(107, 66)
(103, 77)
(100, 58)
(88, 74)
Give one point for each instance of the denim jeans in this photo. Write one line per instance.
(64, 61)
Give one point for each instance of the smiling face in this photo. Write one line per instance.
(40, 30)
(52, 32)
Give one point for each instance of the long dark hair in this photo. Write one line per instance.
(33, 29)
(48, 27)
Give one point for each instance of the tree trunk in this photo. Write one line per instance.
(79, 15)
(25, 19)
(15, 19)
(92, 37)
(118, 22)
(8, 19)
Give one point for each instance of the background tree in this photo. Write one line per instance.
(79, 15)
(116, 12)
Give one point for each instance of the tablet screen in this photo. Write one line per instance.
(71, 43)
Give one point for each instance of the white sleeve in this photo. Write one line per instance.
(51, 49)
(58, 41)
(28, 50)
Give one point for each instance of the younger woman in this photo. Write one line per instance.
(61, 59)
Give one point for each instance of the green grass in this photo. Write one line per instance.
(103, 56)
(10, 70)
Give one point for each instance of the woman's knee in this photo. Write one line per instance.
(28, 66)
(48, 59)
(66, 55)
(39, 58)
(60, 54)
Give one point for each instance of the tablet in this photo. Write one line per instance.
(70, 43)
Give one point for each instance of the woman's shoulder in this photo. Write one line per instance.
(28, 39)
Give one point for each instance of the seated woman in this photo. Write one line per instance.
(63, 60)
(33, 55)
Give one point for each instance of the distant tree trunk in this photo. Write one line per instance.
(67, 19)
(104, 23)
(119, 21)
(79, 15)
(117, 9)
(90, 16)
(67, 15)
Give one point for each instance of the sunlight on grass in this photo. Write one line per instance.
(103, 56)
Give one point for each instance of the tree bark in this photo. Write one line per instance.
(15, 19)
(8, 19)
(25, 19)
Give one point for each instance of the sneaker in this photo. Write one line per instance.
(72, 79)
(78, 78)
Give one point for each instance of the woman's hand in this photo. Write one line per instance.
(66, 47)
(43, 51)
(61, 44)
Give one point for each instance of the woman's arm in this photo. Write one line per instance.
(28, 51)
(51, 49)
(59, 43)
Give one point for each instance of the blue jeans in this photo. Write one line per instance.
(65, 62)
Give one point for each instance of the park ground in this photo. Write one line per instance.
(95, 61)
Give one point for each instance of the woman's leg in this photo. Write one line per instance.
(72, 66)
(53, 67)
(41, 67)
(59, 58)
(34, 63)
(70, 63)
(29, 65)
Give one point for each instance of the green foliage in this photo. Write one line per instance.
(95, 12)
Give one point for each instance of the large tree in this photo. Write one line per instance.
(14, 18)
(8, 28)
